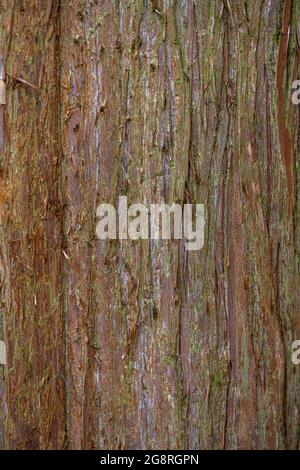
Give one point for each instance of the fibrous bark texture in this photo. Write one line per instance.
(122, 344)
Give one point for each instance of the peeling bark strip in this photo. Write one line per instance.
(2, 81)
(2, 92)
(141, 344)
(2, 67)
(285, 136)
(2, 353)
(2, 100)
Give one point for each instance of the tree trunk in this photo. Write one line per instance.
(141, 344)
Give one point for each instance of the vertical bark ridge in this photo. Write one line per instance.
(141, 344)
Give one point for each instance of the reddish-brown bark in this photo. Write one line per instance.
(122, 344)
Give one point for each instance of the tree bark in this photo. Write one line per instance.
(123, 344)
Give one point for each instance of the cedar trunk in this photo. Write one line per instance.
(122, 344)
